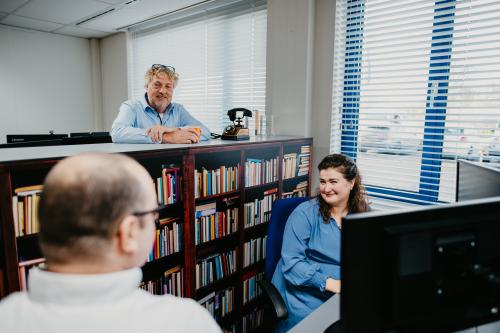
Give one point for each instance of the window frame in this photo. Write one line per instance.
(435, 106)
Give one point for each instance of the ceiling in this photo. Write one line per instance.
(84, 18)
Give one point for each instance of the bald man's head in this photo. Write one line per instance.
(83, 201)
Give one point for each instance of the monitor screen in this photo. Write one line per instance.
(477, 180)
(431, 269)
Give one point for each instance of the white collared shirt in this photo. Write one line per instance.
(109, 302)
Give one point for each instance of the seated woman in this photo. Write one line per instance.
(308, 272)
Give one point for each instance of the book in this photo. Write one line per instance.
(206, 209)
(26, 190)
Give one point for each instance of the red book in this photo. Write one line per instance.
(270, 191)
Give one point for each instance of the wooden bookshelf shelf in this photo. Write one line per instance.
(28, 238)
(256, 231)
(171, 258)
(222, 244)
(257, 267)
(296, 178)
(20, 167)
(216, 196)
(28, 247)
(260, 186)
(152, 269)
(170, 208)
(221, 284)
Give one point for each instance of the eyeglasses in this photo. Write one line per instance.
(160, 66)
(156, 213)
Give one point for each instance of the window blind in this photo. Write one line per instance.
(219, 51)
(416, 86)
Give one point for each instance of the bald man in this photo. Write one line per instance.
(97, 219)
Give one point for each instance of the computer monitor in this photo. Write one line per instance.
(476, 180)
(431, 269)
(88, 134)
(35, 140)
(16, 138)
(24, 144)
(85, 139)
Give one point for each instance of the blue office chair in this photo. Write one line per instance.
(282, 209)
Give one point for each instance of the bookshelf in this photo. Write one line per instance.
(211, 242)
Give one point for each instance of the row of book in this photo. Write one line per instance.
(259, 210)
(253, 320)
(25, 204)
(168, 238)
(211, 224)
(214, 268)
(259, 172)
(211, 182)
(300, 190)
(219, 303)
(254, 251)
(168, 186)
(251, 288)
(172, 282)
(297, 164)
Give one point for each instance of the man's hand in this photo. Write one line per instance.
(156, 132)
(183, 135)
(332, 285)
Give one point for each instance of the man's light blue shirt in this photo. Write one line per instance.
(136, 116)
(309, 255)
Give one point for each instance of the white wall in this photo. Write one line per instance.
(300, 69)
(288, 65)
(45, 83)
(114, 76)
(322, 80)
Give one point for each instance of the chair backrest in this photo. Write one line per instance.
(282, 208)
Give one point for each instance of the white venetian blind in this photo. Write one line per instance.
(417, 85)
(219, 51)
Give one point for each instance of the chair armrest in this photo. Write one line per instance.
(274, 296)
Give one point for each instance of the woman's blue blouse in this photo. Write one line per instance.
(309, 255)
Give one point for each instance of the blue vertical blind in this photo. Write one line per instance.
(219, 52)
(416, 86)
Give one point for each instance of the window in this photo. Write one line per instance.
(219, 52)
(416, 86)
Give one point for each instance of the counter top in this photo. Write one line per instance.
(47, 152)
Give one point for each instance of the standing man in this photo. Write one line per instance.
(154, 118)
(97, 218)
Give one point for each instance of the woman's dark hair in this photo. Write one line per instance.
(346, 166)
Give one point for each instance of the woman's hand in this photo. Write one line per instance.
(332, 285)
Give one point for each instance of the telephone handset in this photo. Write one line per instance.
(237, 131)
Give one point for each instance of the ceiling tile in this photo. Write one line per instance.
(80, 32)
(9, 5)
(25, 22)
(61, 11)
(136, 12)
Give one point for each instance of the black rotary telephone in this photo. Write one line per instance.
(237, 131)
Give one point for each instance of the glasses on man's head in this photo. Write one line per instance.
(156, 213)
(160, 66)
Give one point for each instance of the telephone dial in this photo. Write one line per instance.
(237, 131)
